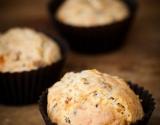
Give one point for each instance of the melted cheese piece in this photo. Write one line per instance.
(23, 49)
(92, 12)
(93, 98)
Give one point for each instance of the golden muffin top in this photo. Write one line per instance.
(87, 13)
(23, 49)
(93, 98)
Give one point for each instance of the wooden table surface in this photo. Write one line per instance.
(138, 60)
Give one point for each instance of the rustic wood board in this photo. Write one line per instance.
(138, 60)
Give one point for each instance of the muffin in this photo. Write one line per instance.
(27, 56)
(93, 98)
(93, 25)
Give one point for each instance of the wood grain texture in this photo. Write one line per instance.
(138, 60)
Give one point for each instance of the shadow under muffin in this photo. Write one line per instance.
(25, 87)
(147, 102)
(94, 39)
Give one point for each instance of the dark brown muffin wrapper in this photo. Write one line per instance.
(25, 87)
(94, 39)
(148, 105)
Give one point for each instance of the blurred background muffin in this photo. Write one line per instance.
(93, 26)
(29, 61)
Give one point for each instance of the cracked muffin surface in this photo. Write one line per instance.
(92, 98)
(24, 49)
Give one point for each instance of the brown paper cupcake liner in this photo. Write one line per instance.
(148, 105)
(94, 39)
(25, 87)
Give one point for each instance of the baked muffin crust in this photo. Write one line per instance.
(93, 98)
(92, 12)
(23, 49)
